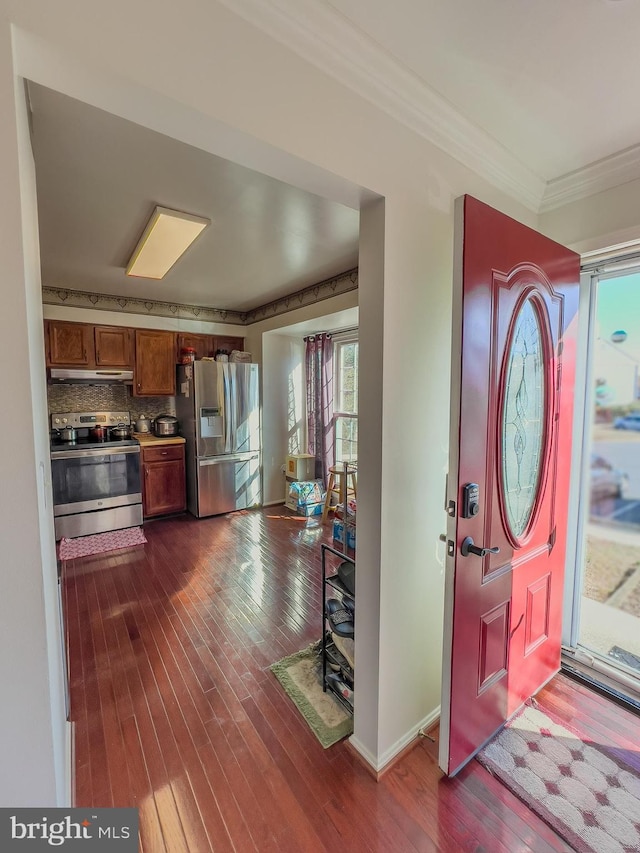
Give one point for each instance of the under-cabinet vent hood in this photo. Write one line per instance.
(90, 377)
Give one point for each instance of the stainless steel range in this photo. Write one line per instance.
(96, 481)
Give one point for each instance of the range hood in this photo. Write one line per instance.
(77, 376)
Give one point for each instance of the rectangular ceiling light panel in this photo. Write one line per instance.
(167, 236)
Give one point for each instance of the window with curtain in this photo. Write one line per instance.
(345, 399)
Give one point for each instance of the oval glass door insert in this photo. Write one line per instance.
(522, 429)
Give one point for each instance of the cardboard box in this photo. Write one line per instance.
(307, 491)
(338, 534)
(310, 509)
(300, 466)
(290, 502)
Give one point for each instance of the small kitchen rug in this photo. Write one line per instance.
(301, 676)
(98, 543)
(586, 792)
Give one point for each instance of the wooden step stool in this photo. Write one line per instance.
(336, 473)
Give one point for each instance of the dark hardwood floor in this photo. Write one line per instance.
(177, 713)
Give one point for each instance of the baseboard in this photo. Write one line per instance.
(395, 752)
(273, 503)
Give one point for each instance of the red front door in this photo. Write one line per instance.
(516, 315)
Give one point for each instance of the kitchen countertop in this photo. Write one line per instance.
(147, 440)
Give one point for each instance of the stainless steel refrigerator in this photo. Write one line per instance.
(217, 404)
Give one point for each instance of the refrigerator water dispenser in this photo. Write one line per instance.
(211, 423)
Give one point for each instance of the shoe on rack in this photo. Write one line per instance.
(340, 619)
(338, 686)
(346, 647)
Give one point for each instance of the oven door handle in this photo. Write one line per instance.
(82, 454)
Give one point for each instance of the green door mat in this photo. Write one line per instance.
(301, 676)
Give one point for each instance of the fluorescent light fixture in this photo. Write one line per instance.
(167, 236)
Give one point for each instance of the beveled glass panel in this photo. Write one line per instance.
(523, 419)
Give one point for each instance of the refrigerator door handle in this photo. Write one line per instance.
(229, 457)
(228, 414)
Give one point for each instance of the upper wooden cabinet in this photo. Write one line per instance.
(113, 346)
(203, 345)
(151, 353)
(155, 364)
(227, 344)
(69, 344)
(83, 345)
(207, 345)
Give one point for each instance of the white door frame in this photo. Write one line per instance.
(594, 666)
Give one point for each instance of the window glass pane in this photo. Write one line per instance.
(346, 444)
(523, 419)
(347, 378)
(610, 601)
(346, 401)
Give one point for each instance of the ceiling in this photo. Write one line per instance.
(535, 95)
(549, 80)
(538, 96)
(99, 177)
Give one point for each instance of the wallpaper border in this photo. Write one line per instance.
(342, 283)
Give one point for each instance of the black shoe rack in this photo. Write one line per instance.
(338, 604)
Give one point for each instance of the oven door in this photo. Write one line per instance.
(86, 480)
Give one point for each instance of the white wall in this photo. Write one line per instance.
(277, 344)
(32, 711)
(603, 220)
(283, 409)
(209, 78)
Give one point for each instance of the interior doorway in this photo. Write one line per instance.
(604, 640)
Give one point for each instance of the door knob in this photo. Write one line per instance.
(468, 547)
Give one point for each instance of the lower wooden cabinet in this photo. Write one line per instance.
(163, 487)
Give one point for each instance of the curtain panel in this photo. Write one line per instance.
(319, 380)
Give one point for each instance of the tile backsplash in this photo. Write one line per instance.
(106, 398)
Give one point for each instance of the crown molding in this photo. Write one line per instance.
(324, 37)
(602, 175)
(342, 283)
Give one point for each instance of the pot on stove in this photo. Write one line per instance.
(69, 433)
(99, 432)
(120, 432)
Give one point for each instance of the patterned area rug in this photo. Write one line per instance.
(98, 543)
(588, 793)
(301, 676)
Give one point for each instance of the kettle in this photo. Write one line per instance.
(143, 424)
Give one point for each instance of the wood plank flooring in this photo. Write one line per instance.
(177, 713)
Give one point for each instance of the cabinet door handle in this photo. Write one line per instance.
(84, 355)
(139, 384)
(146, 470)
(164, 452)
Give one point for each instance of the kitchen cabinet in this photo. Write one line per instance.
(203, 345)
(163, 488)
(155, 363)
(208, 345)
(226, 344)
(151, 353)
(69, 344)
(113, 346)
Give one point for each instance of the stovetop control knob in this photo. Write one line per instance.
(57, 421)
(113, 420)
(64, 420)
